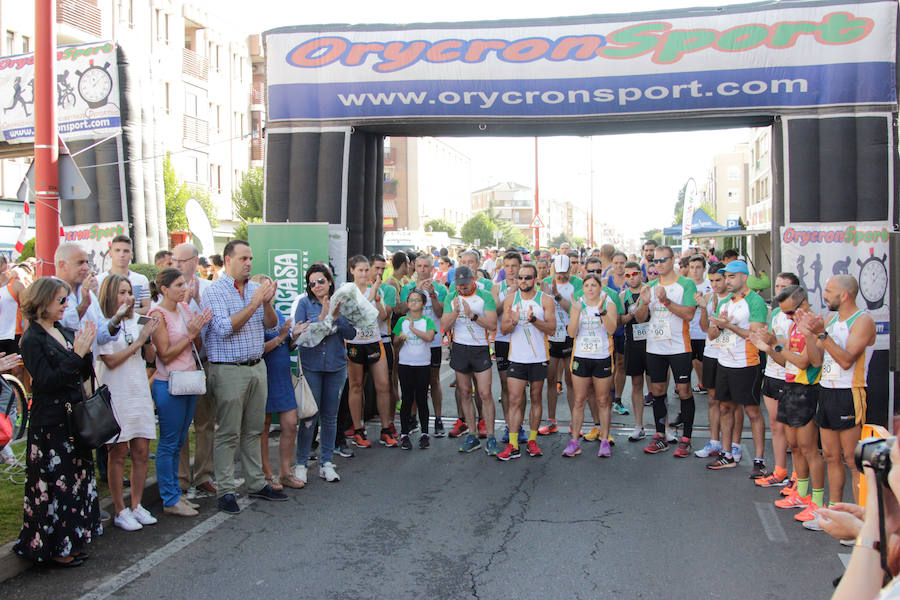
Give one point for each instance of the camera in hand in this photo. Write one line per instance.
(875, 452)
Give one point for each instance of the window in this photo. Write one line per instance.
(192, 164)
(218, 58)
(26, 44)
(190, 103)
(10, 42)
(131, 14)
(734, 195)
(734, 173)
(168, 96)
(218, 118)
(218, 178)
(157, 21)
(167, 28)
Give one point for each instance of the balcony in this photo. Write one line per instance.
(196, 130)
(194, 65)
(257, 149)
(258, 93)
(80, 14)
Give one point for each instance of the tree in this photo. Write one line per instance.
(558, 240)
(480, 227)
(241, 229)
(652, 234)
(510, 237)
(177, 194)
(248, 197)
(27, 250)
(441, 225)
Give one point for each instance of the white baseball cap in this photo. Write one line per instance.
(561, 263)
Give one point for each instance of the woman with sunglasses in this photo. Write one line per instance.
(121, 364)
(593, 319)
(323, 357)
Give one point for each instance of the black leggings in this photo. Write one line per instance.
(413, 388)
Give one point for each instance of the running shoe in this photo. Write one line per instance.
(439, 430)
(605, 451)
(637, 435)
(722, 462)
(459, 428)
(684, 448)
(405, 443)
(737, 451)
(699, 389)
(759, 470)
(593, 435)
(349, 433)
(492, 448)
(482, 429)
(424, 441)
(550, 427)
(470, 444)
(619, 408)
(505, 438)
(812, 524)
(359, 440)
(772, 481)
(533, 449)
(790, 487)
(794, 500)
(344, 450)
(671, 435)
(572, 449)
(808, 513)
(657, 445)
(386, 439)
(393, 430)
(558, 387)
(414, 426)
(611, 439)
(678, 422)
(509, 453)
(710, 450)
(648, 400)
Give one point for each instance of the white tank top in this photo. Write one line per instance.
(567, 292)
(527, 344)
(8, 308)
(504, 290)
(781, 327)
(833, 376)
(592, 340)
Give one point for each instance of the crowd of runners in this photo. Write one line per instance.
(580, 322)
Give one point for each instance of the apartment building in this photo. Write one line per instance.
(759, 204)
(728, 185)
(194, 72)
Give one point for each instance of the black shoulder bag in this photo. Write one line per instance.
(91, 421)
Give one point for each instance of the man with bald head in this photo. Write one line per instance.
(72, 266)
(184, 258)
(843, 348)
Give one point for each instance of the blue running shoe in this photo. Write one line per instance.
(522, 434)
(505, 438)
(471, 444)
(491, 447)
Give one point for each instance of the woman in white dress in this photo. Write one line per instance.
(121, 368)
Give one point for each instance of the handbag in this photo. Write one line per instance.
(91, 421)
(306, 402)
(7, 397)
(187, 383)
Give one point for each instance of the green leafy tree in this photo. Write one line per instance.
(240, 230)
(441, 225)
(248, 197)
(652, 234)
(558, 240)
(177, 194)
(27, 250)
(480, 227)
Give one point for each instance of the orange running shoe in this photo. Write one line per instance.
(771, 481)
(388, 440)
(808, 513)
(550, 427)
(790, 487)
(458, 429)
(359, 440)
(795, 500)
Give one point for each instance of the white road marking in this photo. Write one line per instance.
(845, 558)
(114, 584)
(770, 523)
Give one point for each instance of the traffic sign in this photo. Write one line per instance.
(536, 222)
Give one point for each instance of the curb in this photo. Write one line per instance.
(12, 564)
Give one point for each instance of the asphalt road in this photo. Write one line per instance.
(440, 524)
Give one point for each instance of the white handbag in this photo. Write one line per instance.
(187, 383)
(306, 402)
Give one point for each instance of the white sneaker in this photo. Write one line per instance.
(708, 450)
(299, 473)
(737, 451)
(812, 525)
(851, 542)
(670, 435)
(637, 434)
(125, 520)
(327, 472)
(143, 516)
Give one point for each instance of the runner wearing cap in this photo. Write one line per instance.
(739, 376)
(528, 316)
(470, 313)
(561, 289)
(669, 302)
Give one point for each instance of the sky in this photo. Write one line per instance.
(636, 178)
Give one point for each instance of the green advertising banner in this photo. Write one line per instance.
(284, 251)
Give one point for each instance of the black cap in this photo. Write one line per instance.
(463, 275)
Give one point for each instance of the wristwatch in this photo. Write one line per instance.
(532, 319)
(474, 317)
(823, 336)
(868, 543)
(557, 297)
(777, 348)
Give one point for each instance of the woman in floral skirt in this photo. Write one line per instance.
(62, 512)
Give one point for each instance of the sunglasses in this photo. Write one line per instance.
(652, 273)
(525, 277)
(319, 281)
(62, 300)
(595, 271)
(633, 273)
(657, 261)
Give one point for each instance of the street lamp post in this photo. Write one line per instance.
(46, 141)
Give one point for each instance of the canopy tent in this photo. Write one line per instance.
(701, 223)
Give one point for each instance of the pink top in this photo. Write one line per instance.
(177, 330)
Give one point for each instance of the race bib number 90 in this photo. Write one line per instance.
(660, 329)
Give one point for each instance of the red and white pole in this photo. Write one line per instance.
(46, 140)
